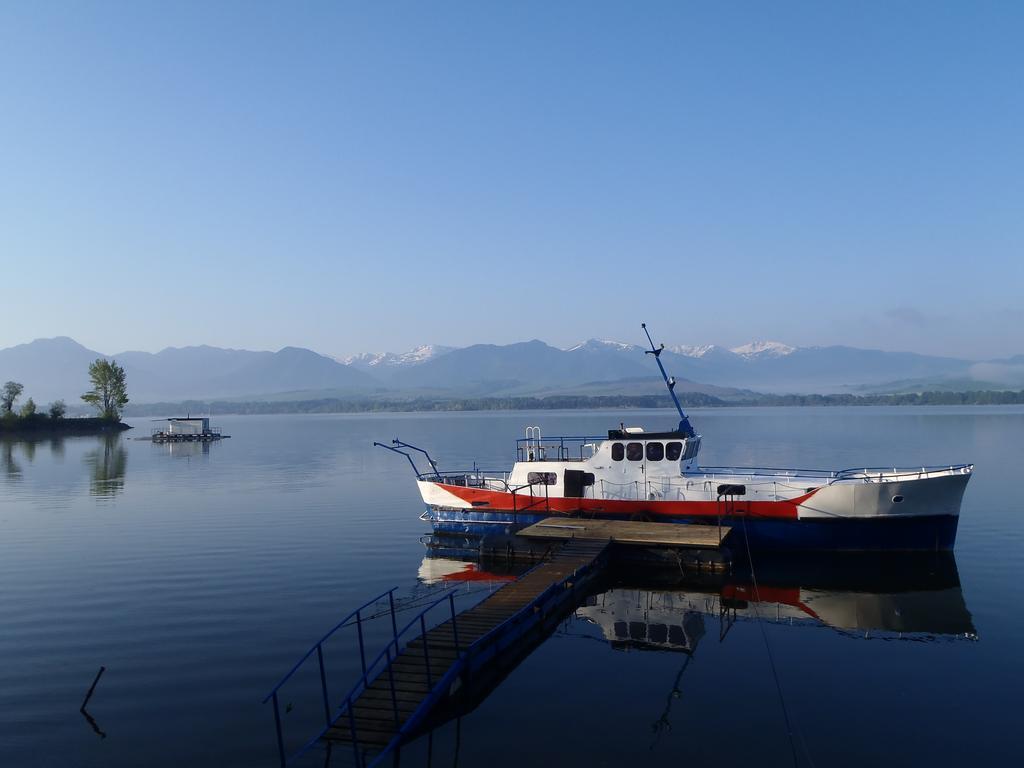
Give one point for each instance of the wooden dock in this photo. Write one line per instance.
(411, 685)
(434, 667)
(629, 533)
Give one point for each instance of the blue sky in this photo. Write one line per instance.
(356, 176)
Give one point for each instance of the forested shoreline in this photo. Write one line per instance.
(563, 402)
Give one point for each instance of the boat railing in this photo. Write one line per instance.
(535, 500)
(890, 474)
(485, 479)
(866, 474)
(561, 448)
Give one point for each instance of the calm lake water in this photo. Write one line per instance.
(197, 577)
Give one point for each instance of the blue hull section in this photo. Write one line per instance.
(921, 533)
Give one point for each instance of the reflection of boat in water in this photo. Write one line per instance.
(869, 596)
(652, 621)
(184, 449)
(662, 609)
(439, 570)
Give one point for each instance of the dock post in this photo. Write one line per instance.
(323, 684)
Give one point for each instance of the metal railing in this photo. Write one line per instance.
(556, 448)
(387, 656)
(486, 479)
(867, 474)
(383, 665)
(183, 434)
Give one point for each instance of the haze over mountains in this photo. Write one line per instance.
(57, 368)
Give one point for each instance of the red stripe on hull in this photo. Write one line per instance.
(483, 501)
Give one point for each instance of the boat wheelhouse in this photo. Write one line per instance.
(636, 475)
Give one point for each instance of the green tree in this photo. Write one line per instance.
(108, 393)
(57, 409)
(28, 410)
(10, 393)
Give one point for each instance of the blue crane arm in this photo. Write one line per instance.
(684, 423)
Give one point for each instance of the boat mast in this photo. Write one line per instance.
(670, 382)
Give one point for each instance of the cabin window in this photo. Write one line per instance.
(673, 451)
(542, 478)
(588, 478)
(655, 451)
(635, 451)
(617, 452)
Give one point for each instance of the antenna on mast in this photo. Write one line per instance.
(684, 423)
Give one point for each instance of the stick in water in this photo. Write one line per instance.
(93, 687)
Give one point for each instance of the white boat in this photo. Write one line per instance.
(636, 475)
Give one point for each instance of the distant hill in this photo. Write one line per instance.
(50, 369)
(57, 368)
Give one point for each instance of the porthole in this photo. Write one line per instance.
(897, 499)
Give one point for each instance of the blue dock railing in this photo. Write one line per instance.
(387, 655)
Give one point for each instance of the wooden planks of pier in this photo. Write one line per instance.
(499, 620)
(629, 532)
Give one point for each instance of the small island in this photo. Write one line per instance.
(108, 395)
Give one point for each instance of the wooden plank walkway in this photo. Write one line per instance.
(513, 608)
(629, 532)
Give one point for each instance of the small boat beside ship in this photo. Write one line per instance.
(631, 474)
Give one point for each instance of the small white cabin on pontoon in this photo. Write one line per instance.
(186, 428)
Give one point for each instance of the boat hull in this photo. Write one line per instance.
(918, 533)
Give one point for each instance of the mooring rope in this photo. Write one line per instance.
(768, 648)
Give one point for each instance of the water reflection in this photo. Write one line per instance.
(652, 608)
(9, 465)
(865, 596)
(107, 465)
(904, 597)
(185, 449)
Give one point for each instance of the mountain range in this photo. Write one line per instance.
(57, 368)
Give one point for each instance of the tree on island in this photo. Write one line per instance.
(10, 393)
(108, 393)
(57, 409)
(28, 410)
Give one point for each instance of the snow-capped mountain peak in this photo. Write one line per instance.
(363, 358)
(692, 350)
(597, 344)
(420, 354)
(764, 349)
